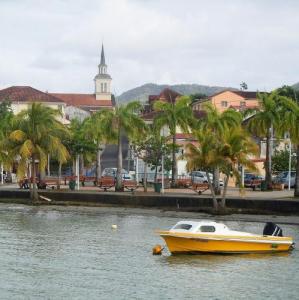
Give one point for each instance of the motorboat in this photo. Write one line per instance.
(212, 237)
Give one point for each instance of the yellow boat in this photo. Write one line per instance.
(213, 237)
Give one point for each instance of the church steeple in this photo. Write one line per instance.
(102, 56)
(102, 80)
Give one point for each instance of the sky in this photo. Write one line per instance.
(55, 45)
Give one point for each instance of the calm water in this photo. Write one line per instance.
(72, 253)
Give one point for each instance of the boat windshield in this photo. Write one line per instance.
(207, 228)
(183, 226)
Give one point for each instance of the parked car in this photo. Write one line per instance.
(283, 178)
(249, 177)
(201, 177)
(111, 172)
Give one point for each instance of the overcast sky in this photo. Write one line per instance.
(55, 45)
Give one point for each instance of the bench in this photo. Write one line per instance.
(84, 179)
(184, 182)
(200, 187)
(256, 183)
(48, 182)
(130, 185)
(278, 186)
(106, 182)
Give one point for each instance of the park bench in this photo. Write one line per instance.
(48, 182)
(200, 187)
(106, 182)
(83, 179)
(184, 182)
(277, 186)
(130, 184)
(255, 183)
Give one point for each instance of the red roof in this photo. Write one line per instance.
(166, 94)
(26, 94)
(86, 100)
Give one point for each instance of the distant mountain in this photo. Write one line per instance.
(296, 86)
(141, 93)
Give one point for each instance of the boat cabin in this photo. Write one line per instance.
(199, 227)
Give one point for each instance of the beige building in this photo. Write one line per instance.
(238, 100)
(23, 96)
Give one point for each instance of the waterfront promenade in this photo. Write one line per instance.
(253, 202)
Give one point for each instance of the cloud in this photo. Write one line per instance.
(55, 45)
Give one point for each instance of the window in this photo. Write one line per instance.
(224, 103)
(183, 226)
(105, 87)
(102, 87)
(207, 228)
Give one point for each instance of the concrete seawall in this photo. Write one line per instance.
(169, 201)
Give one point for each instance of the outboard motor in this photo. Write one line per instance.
(272, 229)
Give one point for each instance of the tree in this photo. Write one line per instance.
(280, 161)
(197, 96)
(289, 122)
(174, 115)
(6, 116)
(123, 120)
(97, 130)
(152, 147)
(215, 123)
(36, 133)
(236, 147)
(226, 152)
(79, 143)
(243, 86)
(264, 122)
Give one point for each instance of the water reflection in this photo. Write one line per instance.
(219, 259)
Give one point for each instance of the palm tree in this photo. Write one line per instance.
(263, 122)
(6, 116)
(226, 152)
(204, 157)
(123, 120)
(236, 147)
(174, 115)
(36, 133)
(96, 128)
(216, 123)
(289, 122)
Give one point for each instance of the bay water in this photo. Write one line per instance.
(73, 253)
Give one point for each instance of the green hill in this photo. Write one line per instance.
(141, 93)
(296, 86)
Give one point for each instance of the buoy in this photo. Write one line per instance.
(114, 226)
(157, 250)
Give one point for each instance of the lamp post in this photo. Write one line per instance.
(77, 172)
(162, 167)
(2, 177)
(290, 164)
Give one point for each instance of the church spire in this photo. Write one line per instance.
(102, 56)
(102, 80)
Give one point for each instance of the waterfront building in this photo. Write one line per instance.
(238, 100)
(23, 96)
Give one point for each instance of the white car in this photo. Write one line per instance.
(111, 172)
(201, 177)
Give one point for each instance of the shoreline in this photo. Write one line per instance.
(176, 203)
